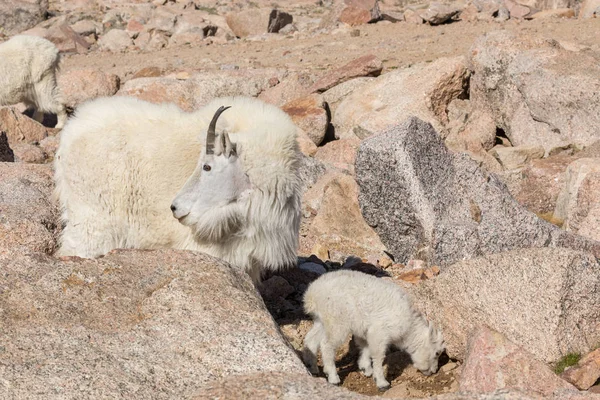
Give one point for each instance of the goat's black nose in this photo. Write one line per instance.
(173, 208)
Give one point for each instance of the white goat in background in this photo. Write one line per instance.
(122, 161)
(377, 313)
(28, 66)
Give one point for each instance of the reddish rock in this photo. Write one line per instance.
(340, 154)
(516, 10)
(148, 72)
(586, 372)
(368, 65)
(309, 115)
(134, 25)
(359, 12)
(339, 224)
(20, 128)
(78, 86)
(494, 362)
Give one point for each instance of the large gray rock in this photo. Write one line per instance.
(19, 15)
(538, 92)
(428, 203)
(544, 300)
(133, 324)
(28, 218)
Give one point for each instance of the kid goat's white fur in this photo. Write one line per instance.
(378, 313)
(132, 174)
(28, 67)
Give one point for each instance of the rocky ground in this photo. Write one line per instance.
(453, 148)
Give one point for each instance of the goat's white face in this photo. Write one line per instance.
(217, 183)
(426, 358)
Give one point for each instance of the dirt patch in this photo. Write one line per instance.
(397, 45)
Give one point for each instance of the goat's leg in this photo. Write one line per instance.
(364, 361)
(311, 346)
(377, 347)
(48, 99)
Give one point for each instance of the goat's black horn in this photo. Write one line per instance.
(210, 134)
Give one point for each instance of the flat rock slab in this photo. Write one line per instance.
(430, 204)
(133, 324)
(544, 300)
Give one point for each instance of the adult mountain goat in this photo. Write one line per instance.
(28, 66)
(132, 174)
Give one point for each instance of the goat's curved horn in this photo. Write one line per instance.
(210, 134)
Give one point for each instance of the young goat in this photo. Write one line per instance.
(132, 174)
(378, 313)
(28, 67)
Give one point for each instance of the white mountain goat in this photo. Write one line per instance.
(377, 313)
(28, 67)
(132, 174)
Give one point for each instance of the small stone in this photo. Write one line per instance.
(412, 17)
(313, 267)
(438, 13)
(321, 252)
(276, 287)
(385, 262)
(413, 276)
(448, 367)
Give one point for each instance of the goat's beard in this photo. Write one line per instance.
(217, 223)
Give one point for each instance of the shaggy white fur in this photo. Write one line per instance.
(28, 67)
(122, 161)
(378, 313)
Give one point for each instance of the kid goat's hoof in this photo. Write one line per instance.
(384, 388)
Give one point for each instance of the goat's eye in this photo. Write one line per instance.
(206, 167)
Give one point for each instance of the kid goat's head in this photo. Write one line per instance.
(210, 195)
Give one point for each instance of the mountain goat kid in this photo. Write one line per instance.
(132, 174)
(28, 67)
(377, 313)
